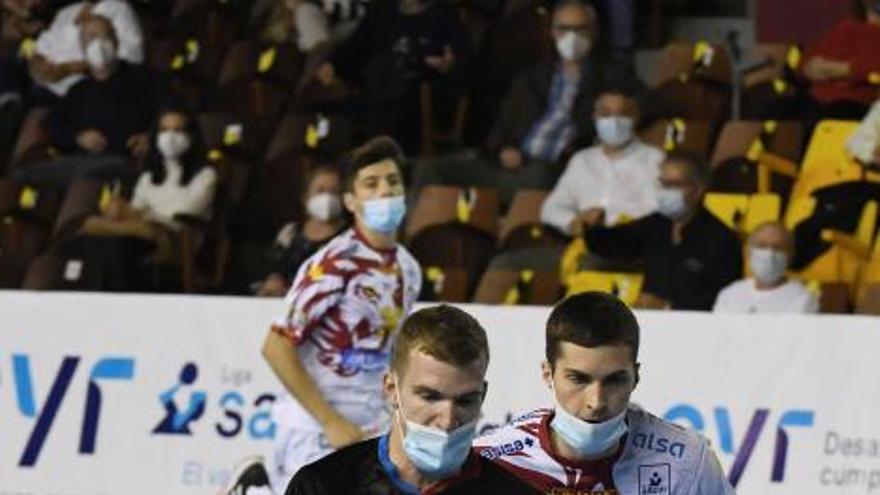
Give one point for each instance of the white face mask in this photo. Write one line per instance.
(100, 53)
(572, 46)
(172, 144)
(615, 131)
(768, 265)
(324, 206)
(671, 203)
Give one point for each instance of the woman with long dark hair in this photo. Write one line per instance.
(175, 181)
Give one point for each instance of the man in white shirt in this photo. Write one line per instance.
(60, 62)
(614, 181)
(769, 290)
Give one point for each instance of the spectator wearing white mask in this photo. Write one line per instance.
(176, 181)
(546, 114)
(768, 290)
(102, 125)
(295, 242)
(60, 61)
(611, 182)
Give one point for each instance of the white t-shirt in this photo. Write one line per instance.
(61, 43)
(744, 297)
(161, 202)
(625, 186)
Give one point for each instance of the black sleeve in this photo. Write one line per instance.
(349, 56)
(626, 242)
(503, 132)
(306, 482)
(728, 270)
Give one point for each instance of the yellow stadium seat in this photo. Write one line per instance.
(826, 161)
(743, 212)
(626, 286)
(799, 210)
(848, 256)
(729, 208)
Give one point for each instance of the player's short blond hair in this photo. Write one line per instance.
(443, 332)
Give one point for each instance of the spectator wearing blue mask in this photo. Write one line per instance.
(435, 387)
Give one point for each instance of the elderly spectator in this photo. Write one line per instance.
(615, 180)
(60, 60)
(103, 122)
(689, 255)
(769, 290)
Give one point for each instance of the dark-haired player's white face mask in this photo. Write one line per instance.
(585, 438)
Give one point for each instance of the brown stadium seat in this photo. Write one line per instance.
(314, 133)
(522, 227)
(444, 284)
(747, 149)
(512, 287)
(43, 273)
(692, 85)
(693, 135)
(235, 134)
(453, 227)
(33, 143)
(82, 200)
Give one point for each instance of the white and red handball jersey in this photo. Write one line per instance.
(347, 303)
(656, 457)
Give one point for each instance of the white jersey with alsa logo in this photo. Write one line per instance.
(656, 458)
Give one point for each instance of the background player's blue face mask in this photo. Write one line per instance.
(384, 215)
(587, 439)
(435, 452)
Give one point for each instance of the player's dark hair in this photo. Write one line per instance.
(370, 153)
(591, 319)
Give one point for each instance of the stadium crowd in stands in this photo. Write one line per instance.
(195, 145)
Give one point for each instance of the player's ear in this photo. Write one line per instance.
(547, 373)
(350, 202)
(638, 377)
(389, 388)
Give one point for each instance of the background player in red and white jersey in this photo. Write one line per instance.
(346, 304)
(594, 441)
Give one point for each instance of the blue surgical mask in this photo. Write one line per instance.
(384, 215)
(588, 439)
(615, 131)
(435, 452)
